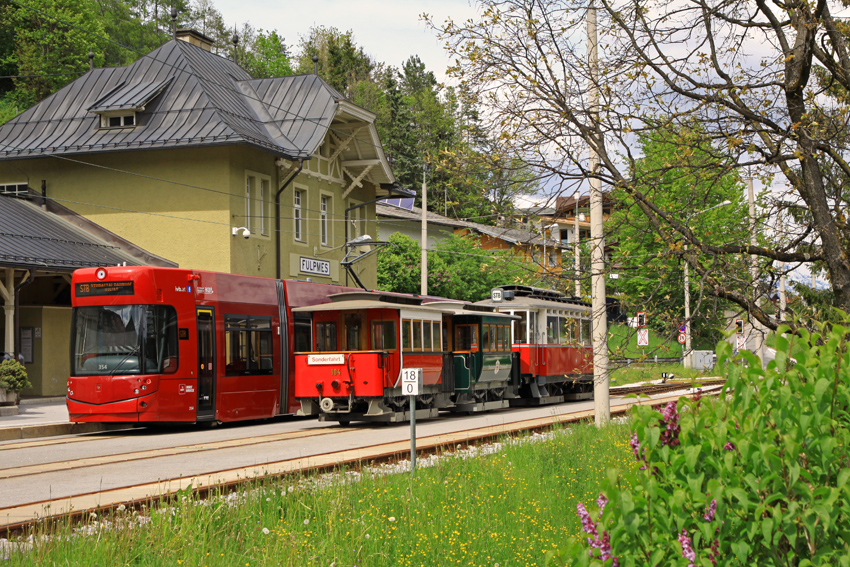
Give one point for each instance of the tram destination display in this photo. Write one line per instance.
(92, 289)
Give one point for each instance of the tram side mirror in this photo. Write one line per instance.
(169, 365)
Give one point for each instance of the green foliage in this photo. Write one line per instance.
(268, 56)
(773, 455)
(13, 376)
(683, 174)
(50, 42)
(457, 268)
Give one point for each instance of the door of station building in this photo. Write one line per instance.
(206, 364)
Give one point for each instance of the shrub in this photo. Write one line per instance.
(13, 376)
(758, 477)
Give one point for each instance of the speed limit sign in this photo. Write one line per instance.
(411, 381)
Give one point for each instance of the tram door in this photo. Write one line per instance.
(206, 366)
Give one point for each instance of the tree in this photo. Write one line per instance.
(52, 39)
(677, 172)
(741, 72)
(457, 268)
(267, 56)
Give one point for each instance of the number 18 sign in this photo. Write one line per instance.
(411, 381)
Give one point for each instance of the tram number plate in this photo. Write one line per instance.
(411, 381)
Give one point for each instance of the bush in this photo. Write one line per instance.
(758, 477)
(13, 376)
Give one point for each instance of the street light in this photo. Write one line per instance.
(686, 358)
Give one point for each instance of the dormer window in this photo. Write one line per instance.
(127, 120)
(119, 106)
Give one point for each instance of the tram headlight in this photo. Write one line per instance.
(144, 387)
(136, 391)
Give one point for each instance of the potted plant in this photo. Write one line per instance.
(13, 379)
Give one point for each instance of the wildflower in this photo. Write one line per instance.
(391, 519)
(306, 521)
(709, 511)
(368, 536)
(121, 508)
(687, 551)
(714, 552)
(670, 435)
(266, 531)
(290, 489)
(93, 516)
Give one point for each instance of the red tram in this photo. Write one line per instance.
(175, 345)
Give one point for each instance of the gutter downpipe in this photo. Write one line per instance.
(277, 214)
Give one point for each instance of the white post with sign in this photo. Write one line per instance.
(411, 384)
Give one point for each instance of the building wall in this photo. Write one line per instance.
(156, 199)
(51, 364)
(182, 205)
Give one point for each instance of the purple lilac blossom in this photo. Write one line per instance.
(687, 551)
(729, 446)
(709, 511)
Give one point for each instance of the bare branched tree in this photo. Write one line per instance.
(755, 82)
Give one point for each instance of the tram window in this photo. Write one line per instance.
(436, 336)
(585, 332)
(426, 336)
(569, 332)
(466, 337)
(161, 350)
(383, 335)
(247, 345)
(417, 335)
(520, 328)
(261, 356)
(485, 337)
(500, 337)
(532, 327)
(302, 335)
(552, 330)
(325, 336)
(353, 324)
(405, 334)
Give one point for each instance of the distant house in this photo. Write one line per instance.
(184, 156)
(400, 215)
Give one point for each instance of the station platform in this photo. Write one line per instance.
(45, 417)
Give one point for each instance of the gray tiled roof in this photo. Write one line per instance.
(33, 238)
(208, 100)
(511, 235)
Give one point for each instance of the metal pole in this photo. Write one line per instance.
(686, 356)
(412, 433)
(577, 251)
(424, 284)
(759, 334)
(601, 402)
(782, 300)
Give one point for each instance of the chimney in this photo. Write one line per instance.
(195, 38)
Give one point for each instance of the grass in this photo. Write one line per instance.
(504, 509)
(636, 373)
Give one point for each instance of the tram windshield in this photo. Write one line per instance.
(124, 339)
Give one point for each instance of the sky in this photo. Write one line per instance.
(388, 31)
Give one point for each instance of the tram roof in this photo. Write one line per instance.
(537, 303)
(353, 304)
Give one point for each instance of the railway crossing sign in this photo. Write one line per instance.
(411, 381)
(682, 338)
(643, 337)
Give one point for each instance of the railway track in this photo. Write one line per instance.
(111, 471)
(663, 388)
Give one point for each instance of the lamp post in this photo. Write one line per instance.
(686, 359)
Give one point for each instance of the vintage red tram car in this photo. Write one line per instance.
(175, 345)
(473, 357)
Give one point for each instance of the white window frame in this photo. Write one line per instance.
(264, 182)
(248, 182)
(297, 216)
(16, 189)
(127, 119)
(324, 228)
